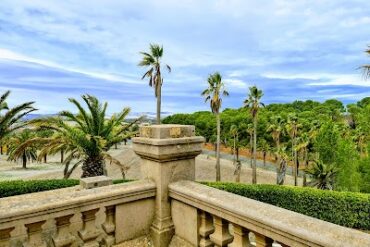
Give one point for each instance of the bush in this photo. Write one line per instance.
(19, 187)
(343, 208)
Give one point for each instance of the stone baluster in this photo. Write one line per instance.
(63, 237)
(205, 229)
(109, 226)
(168, 155)
(89, 233)
(5, 236)
(241, 236)
(221, 237)
(263, 241)
(34, 233)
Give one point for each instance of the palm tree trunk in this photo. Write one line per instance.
(264, 158)
(295, 170)
(1, 149)
(218, 168)
(159, 94)
(61, 156)
(93, 166)
(254, 171)
(24, 160)
(250, 150)
(45, 158)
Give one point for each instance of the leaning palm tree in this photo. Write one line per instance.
(322, 175)
(152, 60)
(253, 102)
(11, 120)
(366, 67)
(20, 152)
(213, 94)
(282, 165)
(84, 137)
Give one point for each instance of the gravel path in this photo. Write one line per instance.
(205, 168)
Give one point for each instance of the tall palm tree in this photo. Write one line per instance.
(152, 60)
(264, 147)
(253, 102)
(250, 133)
(292, 127)
(11, 120)
(282, 165)
(84, 137)
(302, 146)
(234, 131)
(213, 94)
(20, 152)
(366, 67)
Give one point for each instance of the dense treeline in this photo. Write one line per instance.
(331, 132)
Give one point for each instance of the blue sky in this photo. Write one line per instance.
(307, 49)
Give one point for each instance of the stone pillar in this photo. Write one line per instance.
(168, 154)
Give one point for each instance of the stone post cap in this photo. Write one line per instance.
(165, 131)
(167, 142)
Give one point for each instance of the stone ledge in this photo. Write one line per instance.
(95, 182)
(59, 201)
(282, 225)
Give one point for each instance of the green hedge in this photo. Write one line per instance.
(19, 187)
(343, 208)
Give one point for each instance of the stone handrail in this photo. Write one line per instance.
(220, 218)
(76, 216)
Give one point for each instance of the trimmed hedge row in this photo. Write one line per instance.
(343, 208)
(19, 187)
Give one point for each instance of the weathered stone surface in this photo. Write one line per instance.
(168, 154)
(185, 218)
(95, 182)
(134, 219)
(284, 226)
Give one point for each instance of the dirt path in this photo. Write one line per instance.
(205, 169)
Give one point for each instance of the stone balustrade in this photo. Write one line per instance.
(78, 217)
(219, 218)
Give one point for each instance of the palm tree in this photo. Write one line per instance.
(84, 137)
(282, 165)
(292, 127)
(250, 133)
(234, 131)
(152, 59)
(276, 128)
(253, 102)
(213, 94)
(11, 120)
(366, 67)
(18, 151)
(323, 175)
(302, 145)
(264, 147)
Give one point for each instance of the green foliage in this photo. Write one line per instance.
(19, 187)
(19, 152)
(316, 131)
(85, 137)
(343, 208)
(11, 119)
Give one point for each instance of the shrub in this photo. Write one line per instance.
(19, 187)
(343, 208)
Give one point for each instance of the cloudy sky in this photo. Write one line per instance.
(51, 50)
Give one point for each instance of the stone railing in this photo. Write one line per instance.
(215, 217)
(78, 217)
